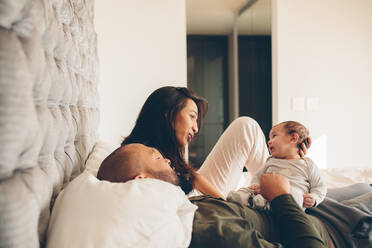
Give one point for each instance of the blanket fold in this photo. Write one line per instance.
(349, 222)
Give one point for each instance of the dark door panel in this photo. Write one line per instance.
(207, 76)
(255, 87)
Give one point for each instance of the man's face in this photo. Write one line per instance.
(158, 166)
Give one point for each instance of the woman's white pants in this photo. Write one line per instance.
(242, 144)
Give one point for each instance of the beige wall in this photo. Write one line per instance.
(141, 46)
(322, 50)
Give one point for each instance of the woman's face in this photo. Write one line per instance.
(186, 125)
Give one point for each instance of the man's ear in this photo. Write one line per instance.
(143, 175)
(295, 137)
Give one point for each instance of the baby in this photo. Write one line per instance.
(307, 186)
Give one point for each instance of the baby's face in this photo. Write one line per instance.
(280, 144)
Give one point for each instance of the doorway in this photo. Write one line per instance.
(207, 76)
(255, 87)
(207, 66)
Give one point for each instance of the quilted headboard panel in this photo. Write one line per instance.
(48, 109)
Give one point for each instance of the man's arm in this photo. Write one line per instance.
(293, 226)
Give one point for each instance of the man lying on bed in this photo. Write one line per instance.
(220, 223)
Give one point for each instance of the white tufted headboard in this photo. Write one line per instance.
(48, 109)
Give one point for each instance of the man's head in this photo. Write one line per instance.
(135, 161)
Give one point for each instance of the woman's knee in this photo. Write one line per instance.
(246, 130)
(245, 122)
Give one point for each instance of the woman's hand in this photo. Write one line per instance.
(304, 148)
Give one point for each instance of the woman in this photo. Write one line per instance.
(172, 116)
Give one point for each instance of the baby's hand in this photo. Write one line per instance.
(309, 201)
(256, 188)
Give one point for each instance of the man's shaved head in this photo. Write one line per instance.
(133, 160)
(122, 165)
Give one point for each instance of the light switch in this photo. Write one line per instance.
(298, 103)
(312, 103)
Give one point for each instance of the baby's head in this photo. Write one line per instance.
(135, 161)
(286, 138)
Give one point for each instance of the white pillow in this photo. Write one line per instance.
(341, 177)
(139, 213)
(100, 151)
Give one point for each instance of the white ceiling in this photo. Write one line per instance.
(216, 17)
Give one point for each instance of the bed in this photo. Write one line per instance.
(49, 108)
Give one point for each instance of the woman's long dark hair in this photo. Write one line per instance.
(155, 127)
